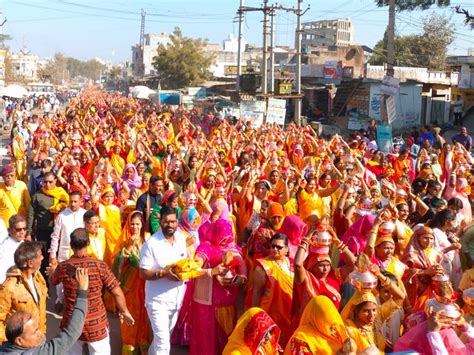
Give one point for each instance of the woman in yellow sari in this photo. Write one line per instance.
(310, 202)
(110, 220)
(255, 334)
(273, 285)
(135, 339)
(19, 156)
(321, 330)
(359, 315)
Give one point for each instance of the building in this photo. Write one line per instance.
(3, 55)
(142, 62)
(464, 65)
(328, 33)
(25, 66)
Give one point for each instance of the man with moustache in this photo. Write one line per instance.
(164, 292)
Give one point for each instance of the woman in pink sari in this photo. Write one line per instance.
(215, 293)
(356, 236)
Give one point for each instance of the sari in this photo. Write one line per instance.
(277, 297)
(295, 229)
(110, 221)
(311, 287)
(367, 336)
(310, 204)
(416, 258)
(117, 162)
(19, 150)
(213, 307)
(321, 330)
(356, 236)
(60, 198)
(415, 340)
(249, 335)
(135, 338)
(189, 223)
(135, 182)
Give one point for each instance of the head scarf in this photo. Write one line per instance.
(249, 333)
(220, 206)
(294, 228)
(218, 237)
(414, 252)
(321, 327)
(106, 190)
(135, 182)
(190, 220)
(314, 258)
(168, 197)
(356, 299)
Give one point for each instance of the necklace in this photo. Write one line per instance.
(285, 266)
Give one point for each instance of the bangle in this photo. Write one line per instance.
(301, 246)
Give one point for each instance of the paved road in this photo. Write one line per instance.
(54, 320)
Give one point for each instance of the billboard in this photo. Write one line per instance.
(252, 111)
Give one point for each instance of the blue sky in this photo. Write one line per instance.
(107, 29)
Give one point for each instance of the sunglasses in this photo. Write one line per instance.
(20, 229)
(278, 247)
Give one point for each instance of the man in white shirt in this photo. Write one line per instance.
(66, 222)
(164, 292)
(16, 235)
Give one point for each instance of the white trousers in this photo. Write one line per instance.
(163, 318)
(101, 347)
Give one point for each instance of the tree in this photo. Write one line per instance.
(414, 4)
(427, 49)
(183, 62)
(3, 39)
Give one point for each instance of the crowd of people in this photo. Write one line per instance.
(207, 232)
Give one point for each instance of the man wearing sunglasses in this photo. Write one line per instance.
(45, 205)
(16, 235)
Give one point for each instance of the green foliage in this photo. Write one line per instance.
(3, 39)
(62, 68)
(414, 4)
(183, 62)
(427, 49)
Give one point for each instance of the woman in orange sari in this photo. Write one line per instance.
(273, 285)
(135, 339)
(423, 263)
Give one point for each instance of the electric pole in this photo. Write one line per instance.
(264, 70)
(239, 45)
(391, 38)
(297, 116)
(142, 45)
(272, 51)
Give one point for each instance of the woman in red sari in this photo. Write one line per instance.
(315, 276)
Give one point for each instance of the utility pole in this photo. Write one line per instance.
(264, 70)
(239, 45)
(272, 51)
(391, 38)
(142, 45)
(297, 116)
